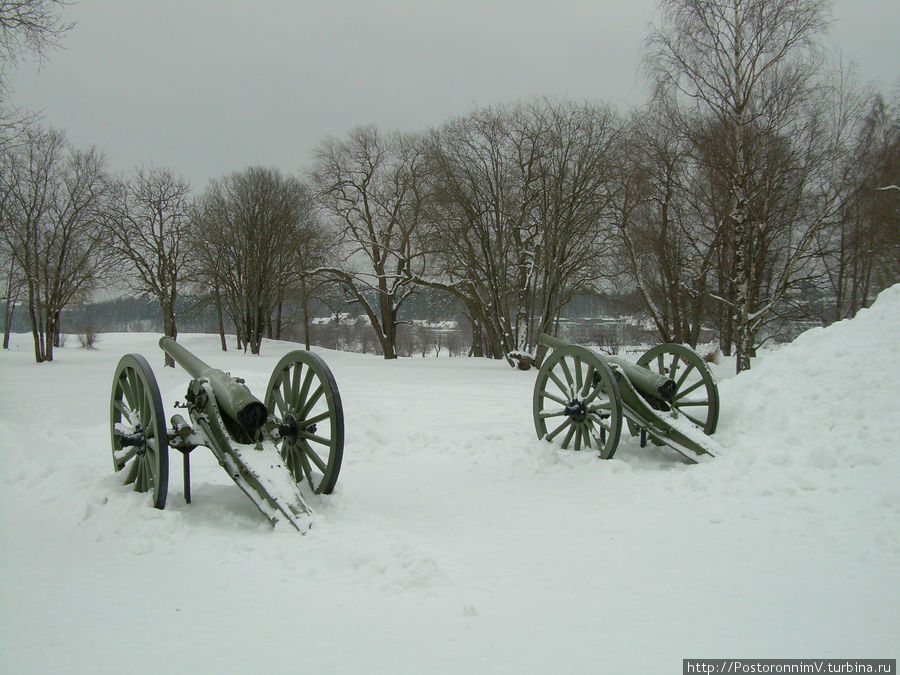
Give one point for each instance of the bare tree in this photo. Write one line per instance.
(148, 231)
(370, 188)
(30, 26)
(52, 218)
(862, 251)
(26, 27)
(747, 64)
(669, 233)
(518, 221)
(209, 269)
(246, 235)
(13, 282)
(478, 210)
(575, 185)
(313, 254)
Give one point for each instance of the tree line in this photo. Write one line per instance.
(754, 179)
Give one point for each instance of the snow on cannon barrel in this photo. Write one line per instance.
(581, 398)
(281, 452)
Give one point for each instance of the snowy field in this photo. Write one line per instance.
(455, 541)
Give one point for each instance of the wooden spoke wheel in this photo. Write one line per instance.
(576, 401)
(140, 443)
(696, 395)
(303, 397)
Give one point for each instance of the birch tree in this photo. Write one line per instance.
(748, 64)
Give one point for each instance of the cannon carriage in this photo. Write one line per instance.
(582, 399)
(279, 451)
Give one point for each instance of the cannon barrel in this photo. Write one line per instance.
(645, 381)
(233, 397)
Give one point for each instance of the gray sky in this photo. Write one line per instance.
(207, 87)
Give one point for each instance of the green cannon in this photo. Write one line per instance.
(278, 451)
(582, 397)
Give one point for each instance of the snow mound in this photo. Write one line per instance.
(827, 400)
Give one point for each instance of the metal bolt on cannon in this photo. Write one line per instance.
(670, 396)
(279, 451)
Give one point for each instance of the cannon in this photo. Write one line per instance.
(279, 451)
(582, 397)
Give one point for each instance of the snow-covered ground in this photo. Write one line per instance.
(455, 541)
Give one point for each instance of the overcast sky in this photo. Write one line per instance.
(207, 87)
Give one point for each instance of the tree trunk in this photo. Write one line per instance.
(220, 318)
(257, 324)
(52, 333)
(36, 333)
(304, 308)
(477, 349)
(169, 328)
(388, 334)
(12, 296)
(7, 321)
(278, 317)
(56, 329)
(743, 260)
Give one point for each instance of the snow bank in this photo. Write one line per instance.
(826, 400)
(820, 416)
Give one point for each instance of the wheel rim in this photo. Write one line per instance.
(140, 443)
(303, 397)
(576, 401)
(696, 395)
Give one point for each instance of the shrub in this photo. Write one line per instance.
(87, 338)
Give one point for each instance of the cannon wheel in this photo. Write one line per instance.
(576, 398)
(303, 396)
(697, 395)
(140, 442)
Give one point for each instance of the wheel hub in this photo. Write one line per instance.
(576, 411)
(136, 440)
(288, 428)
